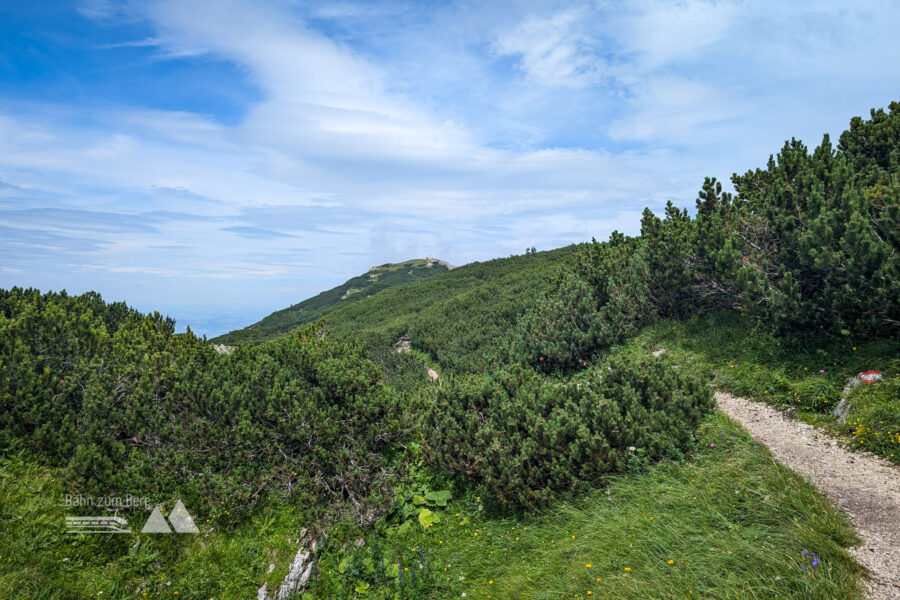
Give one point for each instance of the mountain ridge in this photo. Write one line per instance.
(355, 289)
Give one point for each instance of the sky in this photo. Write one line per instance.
(217, 160)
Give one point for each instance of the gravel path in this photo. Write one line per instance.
(864, 486)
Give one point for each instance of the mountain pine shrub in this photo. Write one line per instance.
(600, 301)
(829, 253)
(810, 242)
(525, 436)
(668, 254)
(126, 405)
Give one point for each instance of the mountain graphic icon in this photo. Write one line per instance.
(181, 520)
(156, 523)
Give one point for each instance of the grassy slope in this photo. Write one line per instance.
(733, 522)
(358, 288)
(746, 360)
(39, 561)
(460, 318)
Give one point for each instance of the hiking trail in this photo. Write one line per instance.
(864, 486)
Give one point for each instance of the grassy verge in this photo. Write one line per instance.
(730, 523)
(39, 561)
(808, 373)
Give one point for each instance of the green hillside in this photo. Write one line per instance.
(571, 446)
(461, 318)
(353, 290)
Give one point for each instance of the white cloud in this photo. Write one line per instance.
(142, 43)
(660, 33)
(668, 108)
(554, 51)
(465, 132)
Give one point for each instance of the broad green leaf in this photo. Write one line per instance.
(404, 527)
(345, 563)
(440, 498)
(427, 518)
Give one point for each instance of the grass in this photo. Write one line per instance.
(356, 289)
(873, 423)
(732, 521)
(460, 318)
(808, 372)
(39, 561)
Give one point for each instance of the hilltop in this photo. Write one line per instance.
(353, 290)
(459, 317)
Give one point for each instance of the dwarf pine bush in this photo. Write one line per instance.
(127, 405)
(599, 302)
(524, 436)
(810, 241)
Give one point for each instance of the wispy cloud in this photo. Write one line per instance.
(143, 43)
(376, 132)
(256, 232)
(556, 51)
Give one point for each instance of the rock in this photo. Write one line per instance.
(403, 344)
(843, 408)
(297, 577)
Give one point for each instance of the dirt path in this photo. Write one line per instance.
(864, 486)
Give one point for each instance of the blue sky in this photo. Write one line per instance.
(217, 160)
